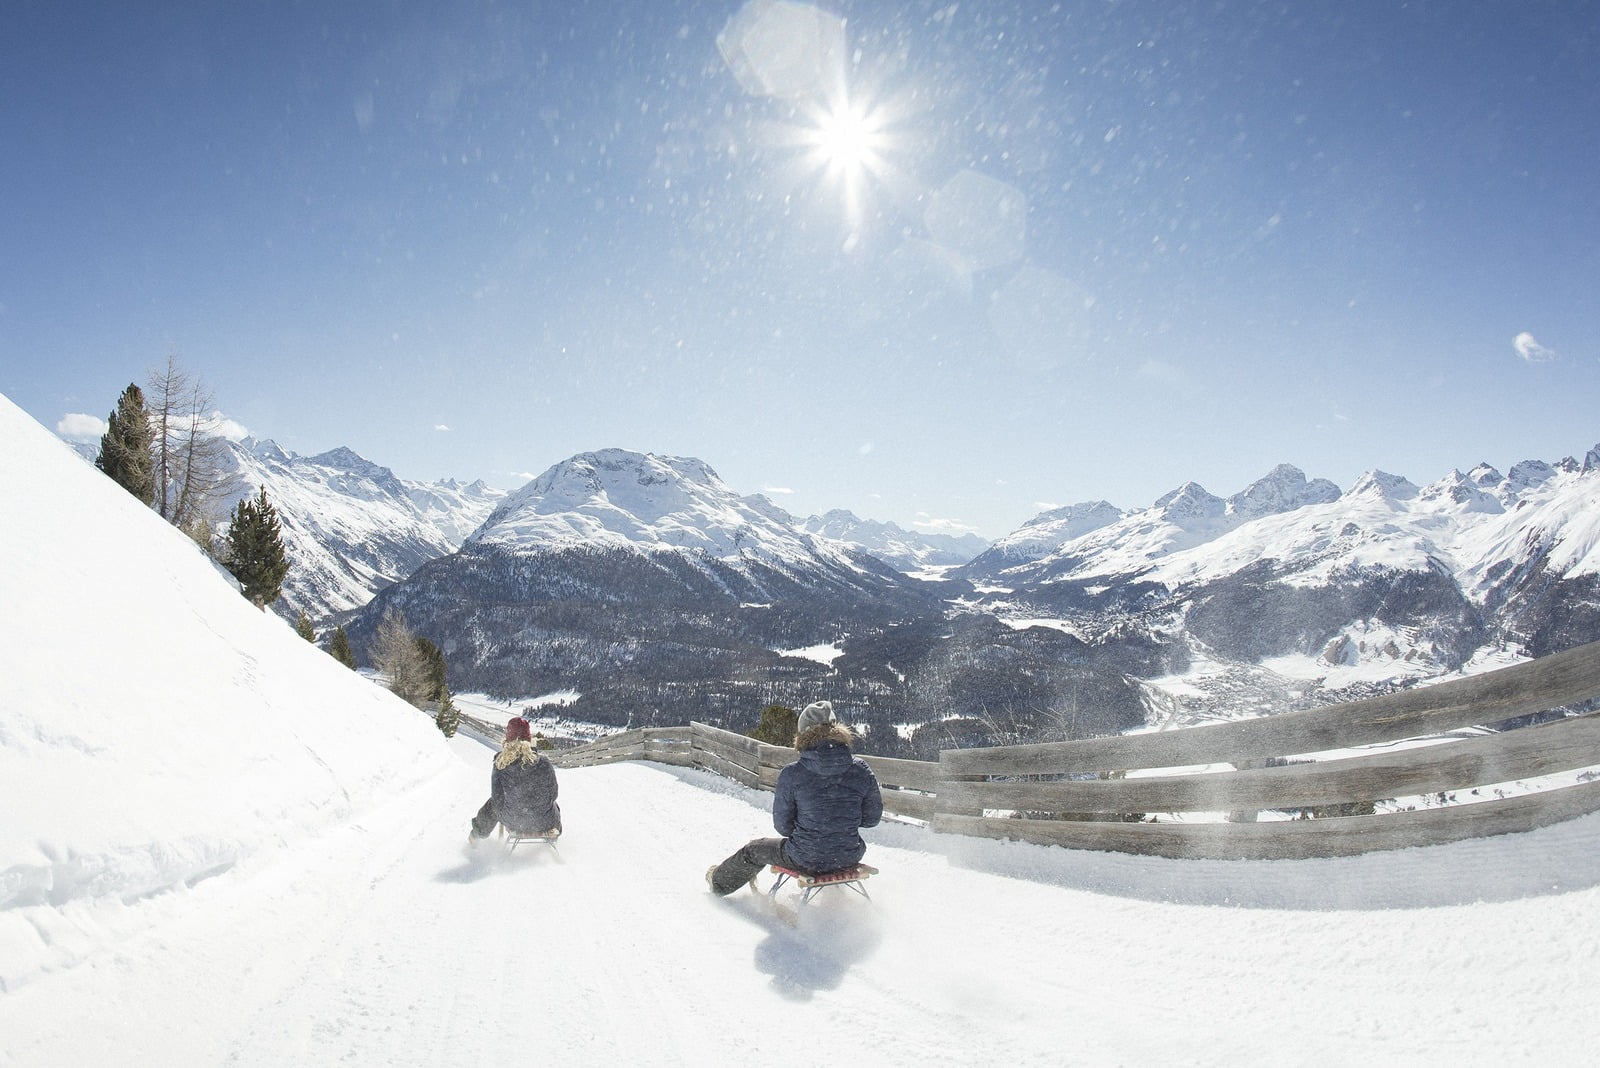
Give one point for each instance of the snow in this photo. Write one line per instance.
(223, 848)
(825, 653)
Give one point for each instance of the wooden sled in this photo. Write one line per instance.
(811, 885)
(515, 838)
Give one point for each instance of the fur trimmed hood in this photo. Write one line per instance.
(812, 737)
(517, 750)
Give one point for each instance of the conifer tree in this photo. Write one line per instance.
(449, 717)
(255, 554)
(777, 725)
(339, 648)
(433, 668)
(127, 447)
(302, 627)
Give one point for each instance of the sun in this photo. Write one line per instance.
(846, 143)
(846, 139)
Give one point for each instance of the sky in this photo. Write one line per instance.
(222, 847)
(946, 264)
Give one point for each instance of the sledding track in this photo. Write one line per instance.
(386, 943)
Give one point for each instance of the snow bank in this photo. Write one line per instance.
(155, 728)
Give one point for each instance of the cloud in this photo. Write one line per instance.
(223, 427)
(441, 426)
(777, 489)
(75, 426)
(1530, 350)
(943, 526)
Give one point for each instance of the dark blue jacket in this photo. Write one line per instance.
(524, 795)
(822, 800)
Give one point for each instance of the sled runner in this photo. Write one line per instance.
(516, 838)
(811, 885)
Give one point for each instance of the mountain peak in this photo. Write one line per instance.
(344, 458)
(1283, 489)
(1189, 503)
(617, 498)
(1382, 484)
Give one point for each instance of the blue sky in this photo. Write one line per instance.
(999, 256)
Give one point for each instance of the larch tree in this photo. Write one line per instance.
(254, 551)
(193, 472)
(396, 655)
(126, 448)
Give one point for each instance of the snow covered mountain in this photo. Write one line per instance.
(643, 581)
(1383, 583)
(653, 589)
(350, 526)
(908, 551)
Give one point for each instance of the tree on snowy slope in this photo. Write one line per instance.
(126, 446)
(397, 655)
(449, 716)
(191, 459)
(339, 648)
(302, 627)
(254, 553)
(433, 669)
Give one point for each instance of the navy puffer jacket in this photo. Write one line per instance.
(523, 789)
(823, 799)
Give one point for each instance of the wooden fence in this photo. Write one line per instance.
(908, 785)
(1160, 793)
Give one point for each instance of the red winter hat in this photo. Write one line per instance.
(518, 731)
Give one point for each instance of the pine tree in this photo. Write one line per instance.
(339, 648)
(777, 725)
(127, 447)
(302, 627)
(255, 554)
(433, 669)
(449, 717)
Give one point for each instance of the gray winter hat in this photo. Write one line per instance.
(815, 713)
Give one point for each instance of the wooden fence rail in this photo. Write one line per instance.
(908, 784)
(1226, 791)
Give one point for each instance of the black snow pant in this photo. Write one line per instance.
(747, 863)
(483, 823)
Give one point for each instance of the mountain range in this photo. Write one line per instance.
(350, 527)
(659, 594)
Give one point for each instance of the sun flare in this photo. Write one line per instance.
(846, 139)
(846, 143)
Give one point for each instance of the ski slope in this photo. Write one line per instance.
(220, 847)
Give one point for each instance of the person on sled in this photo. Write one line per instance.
(822, 801)
(522, 789)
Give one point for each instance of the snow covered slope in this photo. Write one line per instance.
(218, 847)
(1403, 581)
(905, 550)
(350, 526)
(620, 499)
(156, 730)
